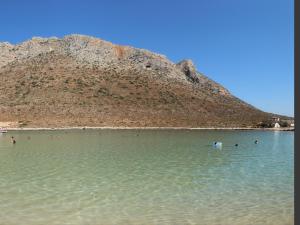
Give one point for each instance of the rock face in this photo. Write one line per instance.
(188, 68)
(84, 81)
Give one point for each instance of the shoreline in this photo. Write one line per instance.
(143, 128)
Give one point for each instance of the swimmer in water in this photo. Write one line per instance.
(217, 144)
(236, 145)
(256, 141)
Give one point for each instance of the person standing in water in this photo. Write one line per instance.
(13, 140)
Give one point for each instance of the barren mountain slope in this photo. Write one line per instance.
(84, 81)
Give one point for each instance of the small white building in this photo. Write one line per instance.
(292, 125)
(276, 125)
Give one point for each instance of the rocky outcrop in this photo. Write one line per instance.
(188, 68)
(81, 80)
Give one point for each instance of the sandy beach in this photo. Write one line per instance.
(144, 128)
(10, 126)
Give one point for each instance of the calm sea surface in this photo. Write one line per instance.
(92, 177)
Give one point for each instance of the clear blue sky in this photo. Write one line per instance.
(245, 45)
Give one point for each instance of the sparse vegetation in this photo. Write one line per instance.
(284, 124)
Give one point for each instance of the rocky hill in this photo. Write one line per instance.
(84, 81)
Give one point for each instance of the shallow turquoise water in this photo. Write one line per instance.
(146, 177)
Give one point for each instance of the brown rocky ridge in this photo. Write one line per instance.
(84, 81)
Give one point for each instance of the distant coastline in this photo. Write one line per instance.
(145, 128)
